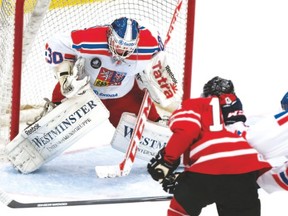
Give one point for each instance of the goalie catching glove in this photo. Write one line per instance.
(72, 79)
(160, 81)
(158, 168)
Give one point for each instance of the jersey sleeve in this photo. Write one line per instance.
(149, 39)
(59, 48)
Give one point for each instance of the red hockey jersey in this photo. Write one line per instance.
(199, 132)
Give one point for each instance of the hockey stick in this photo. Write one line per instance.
(5, 199)
(124, 168)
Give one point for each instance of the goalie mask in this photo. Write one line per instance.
(123, 35)
(218, 86)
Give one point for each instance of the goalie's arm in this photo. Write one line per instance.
(60, 56)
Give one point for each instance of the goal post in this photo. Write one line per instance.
(25, 78)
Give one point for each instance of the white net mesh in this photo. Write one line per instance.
(37, 80)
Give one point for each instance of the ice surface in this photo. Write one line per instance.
(245, 41)
(72, 177)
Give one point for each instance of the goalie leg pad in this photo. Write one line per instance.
(155, 136)
(56, 131)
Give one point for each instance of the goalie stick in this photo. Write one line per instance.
(5, 199)
(124, 168)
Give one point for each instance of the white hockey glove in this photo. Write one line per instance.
(160, 81)
(73, 81)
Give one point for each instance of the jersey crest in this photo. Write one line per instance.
(107, 77)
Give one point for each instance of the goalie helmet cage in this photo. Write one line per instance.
(25, 78)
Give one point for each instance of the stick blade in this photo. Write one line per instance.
(112, 171)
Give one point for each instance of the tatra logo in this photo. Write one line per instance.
(96, 63)
(46, 138)
(169, 89)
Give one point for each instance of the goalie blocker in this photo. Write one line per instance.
(161, 83)
(56, 131)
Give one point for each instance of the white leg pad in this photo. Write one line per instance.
(56, 131)
(155, 136)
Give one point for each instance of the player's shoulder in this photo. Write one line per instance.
(147, 32)
(91, 34)
(149, 37)
(230, 101)
(196, 101)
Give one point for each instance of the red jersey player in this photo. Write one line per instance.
(268, 135)
(222, 167)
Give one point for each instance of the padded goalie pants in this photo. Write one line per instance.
(234, 195)
(131, 102)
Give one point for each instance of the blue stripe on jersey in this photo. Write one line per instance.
(281, 114)
(146, 50)
(281, 118)
(105, 46)
(90, 46)
(283, 177)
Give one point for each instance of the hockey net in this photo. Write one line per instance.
(25, 78)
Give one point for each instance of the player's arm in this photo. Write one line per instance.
(185, 127)
(68, 67)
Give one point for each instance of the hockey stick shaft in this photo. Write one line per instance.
(5, 199)
(138, 130)
(173, 20)
(125, 166)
